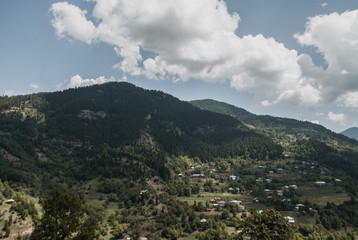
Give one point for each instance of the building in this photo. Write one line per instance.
(290, 219)
(319, 183)
(198, 175)
(10, 201)
(221, 203)
(236, 201)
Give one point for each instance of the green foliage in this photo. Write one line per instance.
(268, 224)
(219, 233)
(63, 218)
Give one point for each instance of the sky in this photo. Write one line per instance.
(288, 58)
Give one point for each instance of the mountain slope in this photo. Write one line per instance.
(283, 130)
(351, 133)
(84, 133)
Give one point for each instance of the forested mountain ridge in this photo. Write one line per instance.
(301, 139)
(49, 130)
(278, 128)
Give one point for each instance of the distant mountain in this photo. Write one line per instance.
(351, 133)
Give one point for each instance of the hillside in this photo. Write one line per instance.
(143, 163)
(282, 130)
(300, 139)
(54, 130)
(351, 133)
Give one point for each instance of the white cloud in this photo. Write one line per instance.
(350, 99)
(34, 86)
(197, 40)
(336, 38)
(312, 121)
(324, 4)
(8, 92)
(78, 81)
(70, 20)
(338, 118)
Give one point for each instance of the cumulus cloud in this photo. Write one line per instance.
(70, 20)
(340, 118)
(196, 40)
(78, 81)
(324, 4)
(336, 38)
(350, 99)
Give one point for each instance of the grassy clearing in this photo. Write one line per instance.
(189, 237)
(203, 197)
(322, 195)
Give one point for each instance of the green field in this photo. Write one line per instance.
(322, 195)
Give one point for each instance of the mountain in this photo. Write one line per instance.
(79, 133)
(351, 133)
(299, 139)
(283, 130)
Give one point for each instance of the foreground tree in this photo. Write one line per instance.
(63, 218)
(268, 224)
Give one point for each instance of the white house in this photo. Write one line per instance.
(10, 201)
(290, 219)
(319, 183)
(233, 177)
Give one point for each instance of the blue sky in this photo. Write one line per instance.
(294, 59)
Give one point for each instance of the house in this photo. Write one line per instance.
(268, 191)
(236, 201)
(255, 200)
(242, 207)
(142, 238)
(314, 212)
(10, 201)
(319, 183)
(337, 180)
(268, 180)
(197, 175)
(233, 177)
(298, 205)
(290, 219)
(279, 169)
(217, 177)
(293, 186)
(279, 192)
(180, 175)
(203, 220)
(221, 203)
(270, 172)
(230, 190)
(259, 180)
